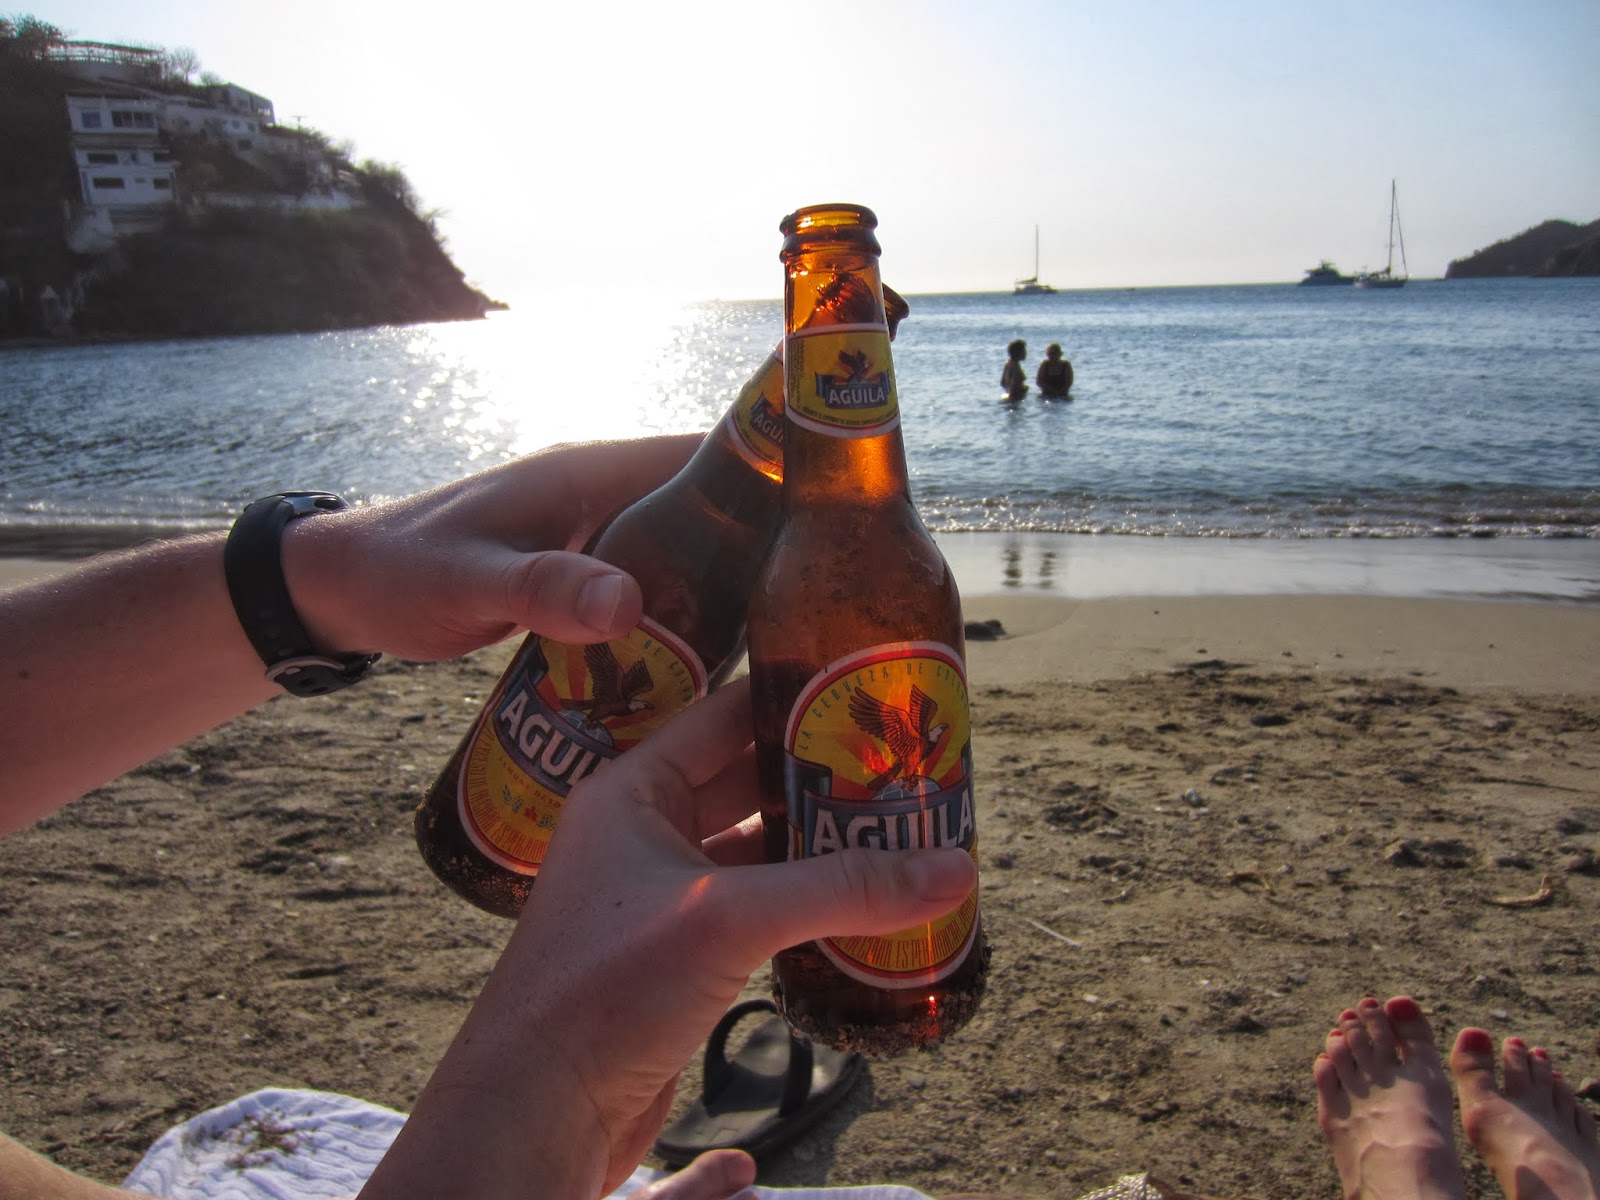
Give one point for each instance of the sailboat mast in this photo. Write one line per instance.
(1388, 266)
(1036, 252)
(1395, 226)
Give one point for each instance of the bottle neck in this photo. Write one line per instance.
(842, 440)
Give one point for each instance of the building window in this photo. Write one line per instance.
(90, 120)
(122, 119)
(161, 185)
(102, 158)
(108, 181)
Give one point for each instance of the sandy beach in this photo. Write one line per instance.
(1212, 813)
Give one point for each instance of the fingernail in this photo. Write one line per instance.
(940, 874)
(598, 602)
(1404, 1008)
(1476, 1041)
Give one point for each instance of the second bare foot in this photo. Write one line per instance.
(1537, 1138)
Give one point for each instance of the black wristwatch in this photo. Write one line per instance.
(253, 563)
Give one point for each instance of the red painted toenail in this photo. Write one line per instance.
(1404, 1008)
(1368, 1002)
(1517, 1042)
(1348, 1014)
(1335, 1033)
(1476, 1041)
(1540, 1052)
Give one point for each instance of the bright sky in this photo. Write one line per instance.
(650, 146)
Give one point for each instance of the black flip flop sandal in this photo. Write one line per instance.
(772, 1091)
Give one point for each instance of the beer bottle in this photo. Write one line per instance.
(857, 660)
(559, 711)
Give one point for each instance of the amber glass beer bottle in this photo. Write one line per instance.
(857, 658)
(559, 711)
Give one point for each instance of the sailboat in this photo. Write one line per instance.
(1386, 278)
(1031, 285)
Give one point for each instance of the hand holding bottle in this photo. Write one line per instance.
(463, 565)
(651, 912)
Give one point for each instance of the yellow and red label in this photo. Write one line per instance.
(879, 757)
(840, 380)
(557, 714)
(758, 418)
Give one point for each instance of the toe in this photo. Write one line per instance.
(1380, 1033)
(1343, 1062)
(1514, 1061)
(1333, 1101)
(1540, 1073)
(1358, 1037)
(1472, 1065)
(1411, 1030)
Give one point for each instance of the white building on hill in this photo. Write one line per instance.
(126, 176)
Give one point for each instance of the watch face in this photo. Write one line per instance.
(319, 676)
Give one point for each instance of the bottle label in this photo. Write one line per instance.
(879, 756)
(841, 380)
(758, 418)
(558, 713)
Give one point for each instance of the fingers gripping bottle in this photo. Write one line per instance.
(857, 658)
(559, 712)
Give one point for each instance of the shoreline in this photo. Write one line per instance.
(1077, 566)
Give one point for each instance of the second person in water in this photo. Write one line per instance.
(1054, 376)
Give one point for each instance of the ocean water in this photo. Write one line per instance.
(1441, 409)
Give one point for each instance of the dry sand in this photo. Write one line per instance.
(1206, 826)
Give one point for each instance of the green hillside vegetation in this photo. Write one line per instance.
(210, 269)
(1548, 249)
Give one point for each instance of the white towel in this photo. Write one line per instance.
(286, 1144)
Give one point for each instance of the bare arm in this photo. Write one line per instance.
(26, 1176)
(134, 653)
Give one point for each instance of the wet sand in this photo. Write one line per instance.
(1207, 823)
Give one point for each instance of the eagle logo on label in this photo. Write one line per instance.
(559, 714)
(879, 756)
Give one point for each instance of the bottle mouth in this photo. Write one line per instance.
(827, 216)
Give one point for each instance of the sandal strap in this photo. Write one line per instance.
(717, 1071)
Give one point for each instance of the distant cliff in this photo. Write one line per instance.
(245, 242)
(1553, 248)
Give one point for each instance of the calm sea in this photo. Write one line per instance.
(1441, 409)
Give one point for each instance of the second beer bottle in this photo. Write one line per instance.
(560, 711)
(857, 658)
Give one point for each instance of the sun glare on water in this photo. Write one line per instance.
(557, 371)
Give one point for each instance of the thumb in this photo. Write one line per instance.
(715, 1175)
(567, 597)
(849, 892)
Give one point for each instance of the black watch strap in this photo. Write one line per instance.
(253, 563)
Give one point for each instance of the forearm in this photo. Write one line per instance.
(24, 1175)
(111, 664)
(499, 1116)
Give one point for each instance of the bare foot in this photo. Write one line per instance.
(1383, 1104)
(1539, 1141)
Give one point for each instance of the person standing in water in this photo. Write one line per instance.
(1055, 374)
(1013, 378)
